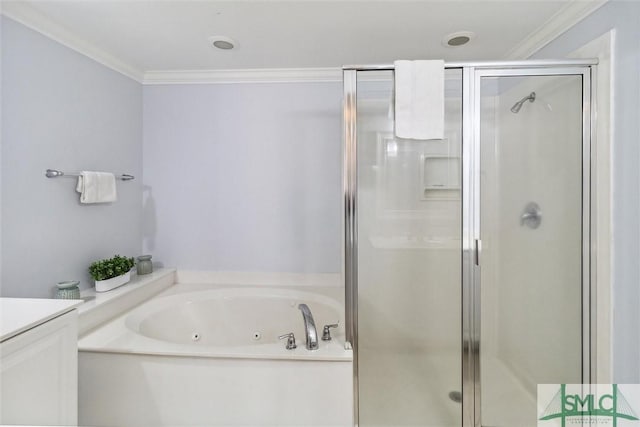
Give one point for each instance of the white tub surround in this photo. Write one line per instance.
(205, 354)
(103, 306)
(144, 390)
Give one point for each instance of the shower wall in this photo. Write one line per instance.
(546, 171)
(531, 293)
(409, 262)
(408, 244)
(243, 177)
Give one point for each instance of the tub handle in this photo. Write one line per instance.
(326, 333)
(291, 340)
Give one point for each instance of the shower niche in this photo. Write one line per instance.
(446, 293)
(410, 172)
(440, 176)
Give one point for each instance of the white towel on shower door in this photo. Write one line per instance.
(97, 187)
(419, 99)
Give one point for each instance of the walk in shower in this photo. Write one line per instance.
(468, 258)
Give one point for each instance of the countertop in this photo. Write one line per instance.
(21, 314)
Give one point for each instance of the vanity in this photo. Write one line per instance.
(38, 361)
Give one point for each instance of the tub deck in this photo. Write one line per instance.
(116, 336)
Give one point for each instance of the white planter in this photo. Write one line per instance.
(114, 282)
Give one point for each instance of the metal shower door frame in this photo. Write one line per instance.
(471, 218)
(472, 72)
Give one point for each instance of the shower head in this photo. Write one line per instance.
(518, 105)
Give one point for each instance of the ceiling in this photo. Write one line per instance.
(163, 35)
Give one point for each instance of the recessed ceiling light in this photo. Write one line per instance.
(222, 42)
(457, 39)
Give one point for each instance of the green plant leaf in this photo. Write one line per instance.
(111, 267)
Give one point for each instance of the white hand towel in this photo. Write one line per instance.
(97, 187)
(419, 99)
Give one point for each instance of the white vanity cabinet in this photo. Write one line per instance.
(38, 362)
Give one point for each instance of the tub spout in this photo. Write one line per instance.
(309, 327)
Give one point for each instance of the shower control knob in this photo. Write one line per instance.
(326, 333)
(291, 340)
(532, 216)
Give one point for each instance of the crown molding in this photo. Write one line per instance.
(30, 17)
(262, 75)
(570, 14)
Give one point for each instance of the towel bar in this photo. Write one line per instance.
(52, 173)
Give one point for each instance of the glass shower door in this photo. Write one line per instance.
(409, 264)
(532, 229)
(468, 263)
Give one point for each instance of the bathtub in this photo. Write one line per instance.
(210, 355)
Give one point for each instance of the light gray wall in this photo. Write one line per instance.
(624, 16)
(62, 110)
(243, 177)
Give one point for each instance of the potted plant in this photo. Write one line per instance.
(111, 273)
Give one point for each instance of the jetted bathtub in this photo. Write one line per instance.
(210, 355)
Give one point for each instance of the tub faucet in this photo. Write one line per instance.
(309, 327)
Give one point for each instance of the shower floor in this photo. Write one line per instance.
(408, 389)
(505, 400)
(412, 389)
